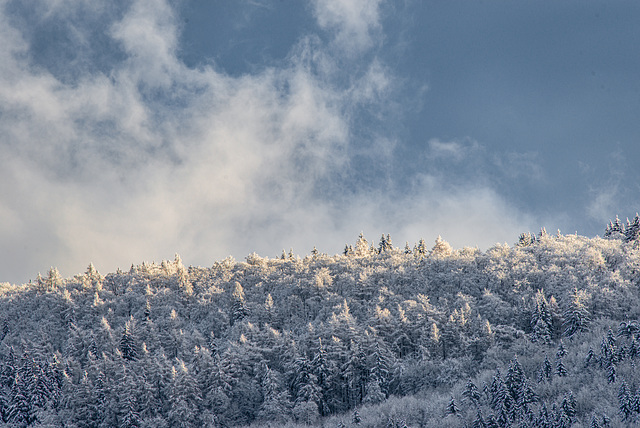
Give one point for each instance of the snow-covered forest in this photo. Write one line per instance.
(541, 333)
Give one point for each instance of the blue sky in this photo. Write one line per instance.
(132, 130)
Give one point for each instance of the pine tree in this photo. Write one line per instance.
(421, 248)
(560, 369)
(590, 358)
(147, 311)
(356, 419)
(306, 392)
(185, 397)
(526, 239)
(362, 246)
(128, 345)
(617, 229)
(624, 400)
(541, 320)
(382, 246)
(568, 406)
(131, 418)
(608, 230)
(452, 407)
(514, 379)
(239, 309)
(441, 248)
(635, 402)
(478, 422)
(322, 371)
(20, 410)
(381, 366)
(632, 232)
(274, 407)
(546, 371)
(471, 392)
(576, 317)
(355, 371)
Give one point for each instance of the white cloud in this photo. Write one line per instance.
(150, 157)
(356, 23)
(451, 150)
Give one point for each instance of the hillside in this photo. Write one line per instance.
(541, 333)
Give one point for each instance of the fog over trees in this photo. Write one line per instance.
(541, 333)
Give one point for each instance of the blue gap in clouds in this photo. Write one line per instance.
(241, 37)
(69, 41)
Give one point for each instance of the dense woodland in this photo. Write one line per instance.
(543, 333)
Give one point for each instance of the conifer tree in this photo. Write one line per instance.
(560, 369)
(356, 419)
(541, 320)
(611, 372)
(452, 407)
(478, 422)
(131, 418)
(322, 372)
(185, 397)
(568, 407)
(20, 410)
(546, 371)
(632, 232)
(239, 308)
(624, 400)
(576, 317)
(441, 248)
(128, 345)
(514, 379)
(471, 392)
(421, 248)
(362, 246)
(274, 407)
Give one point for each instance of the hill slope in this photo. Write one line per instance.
(540, 334)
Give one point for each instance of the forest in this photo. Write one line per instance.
(540, 333)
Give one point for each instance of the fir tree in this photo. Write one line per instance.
(452, 407)
(421, 248)
(560, 369)
(546, 371)
(128, 345)
(478, 422)
(568, 406)
(185, 397)
(541, 320)
(514, 379)
(632, 232)
(131, 418)
(274, 407)
(239, 308)
(576, 317)
(590, 358)
(471, 392)
(356, 419)
(624, 400)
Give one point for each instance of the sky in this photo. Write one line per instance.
(132, 130)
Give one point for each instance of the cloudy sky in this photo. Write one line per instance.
(131, 130)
